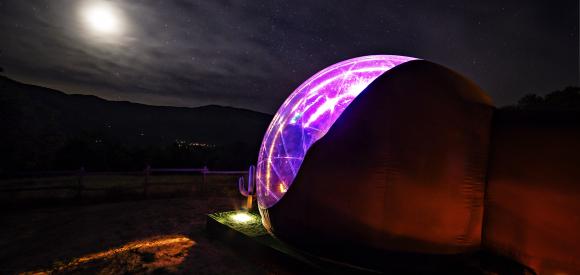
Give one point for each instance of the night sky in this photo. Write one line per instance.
(252, 54)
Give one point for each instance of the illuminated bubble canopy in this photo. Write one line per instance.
(307, 115)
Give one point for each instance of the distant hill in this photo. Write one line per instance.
(43, 129)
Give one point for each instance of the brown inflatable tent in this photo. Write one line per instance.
(422, 170)
(532, 208)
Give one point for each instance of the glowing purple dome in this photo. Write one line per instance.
(306, 116)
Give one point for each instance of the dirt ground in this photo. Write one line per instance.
(139, 236)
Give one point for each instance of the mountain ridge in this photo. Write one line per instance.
(61, 93)
(41, 126)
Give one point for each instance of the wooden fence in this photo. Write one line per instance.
(80, 175)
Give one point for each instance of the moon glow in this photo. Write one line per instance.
(102, 18)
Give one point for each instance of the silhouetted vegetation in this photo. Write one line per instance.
(564, 100)
(43, 129)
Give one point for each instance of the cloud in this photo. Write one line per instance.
(252, 54)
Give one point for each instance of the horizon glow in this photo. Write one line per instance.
(307, 115)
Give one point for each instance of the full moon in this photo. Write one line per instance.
(102, 18)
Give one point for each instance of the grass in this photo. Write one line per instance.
(143, 236)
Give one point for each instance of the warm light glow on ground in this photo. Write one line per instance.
(166, 251)
(241, 217)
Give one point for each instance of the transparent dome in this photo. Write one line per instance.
(306, 116)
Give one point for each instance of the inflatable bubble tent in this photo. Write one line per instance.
(307, 115)
(385, 155)
(389, 161)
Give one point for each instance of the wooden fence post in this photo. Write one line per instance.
(147, 172)
(80, 184)
(203, 180)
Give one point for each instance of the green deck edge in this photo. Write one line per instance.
(252, 237)
(253, 234)
(252, 228)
